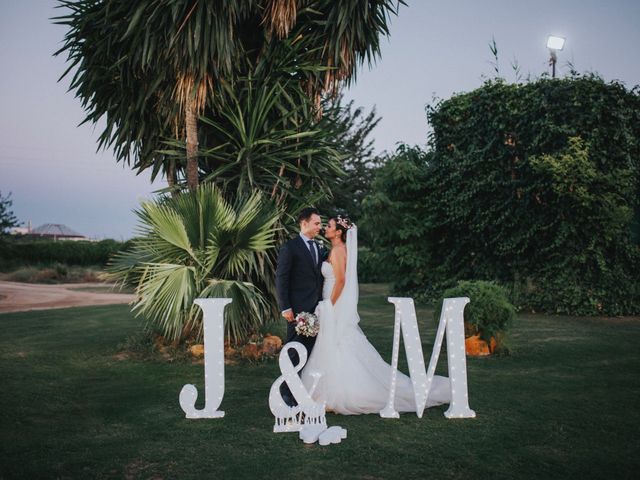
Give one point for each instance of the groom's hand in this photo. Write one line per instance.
(288, 315)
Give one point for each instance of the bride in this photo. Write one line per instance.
(355, 379)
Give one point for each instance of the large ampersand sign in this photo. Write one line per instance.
(288, 419)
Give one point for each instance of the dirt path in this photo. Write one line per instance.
(19, 297)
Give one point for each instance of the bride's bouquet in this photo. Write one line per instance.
(307, 324)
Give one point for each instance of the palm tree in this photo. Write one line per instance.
(239, 84)
(198, 245)
(151, 67)
(265, 141)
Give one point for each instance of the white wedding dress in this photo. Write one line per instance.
(354, 377)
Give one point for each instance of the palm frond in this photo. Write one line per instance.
(198, 242)
(248, 311)
(166, 293)
(168, 228)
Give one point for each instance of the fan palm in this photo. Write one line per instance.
(198, 245)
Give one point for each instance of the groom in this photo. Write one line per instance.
(299, 281)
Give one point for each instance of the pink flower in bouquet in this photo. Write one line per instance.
(307, 324)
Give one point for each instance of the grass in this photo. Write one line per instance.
(563, 405)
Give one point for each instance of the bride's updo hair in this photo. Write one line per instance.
(343, 224)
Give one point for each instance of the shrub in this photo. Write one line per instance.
(489, 313)
(394, 218)
(198, 245)
(535, 185)
(47, 252)
(59, 273)
(372, 268)
(25, 274)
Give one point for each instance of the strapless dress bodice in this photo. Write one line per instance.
(329, 280)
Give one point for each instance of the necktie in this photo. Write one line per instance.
(312, 249)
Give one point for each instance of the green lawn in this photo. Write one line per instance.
(564, 405)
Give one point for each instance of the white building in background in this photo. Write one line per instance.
(21, 230)
(55, 231)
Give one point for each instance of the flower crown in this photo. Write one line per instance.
(344, 222)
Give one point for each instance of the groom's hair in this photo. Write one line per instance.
(305, 214)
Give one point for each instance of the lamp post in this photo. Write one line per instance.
(554, 44)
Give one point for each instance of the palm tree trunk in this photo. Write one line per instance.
(172, 179)
(275, 185)
(192, 146)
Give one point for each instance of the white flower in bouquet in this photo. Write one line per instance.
(307, 324)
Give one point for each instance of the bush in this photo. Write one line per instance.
(58, 273)
(46, 252)
(198, 245)
(489, 313)
(535, 185)
(372, 268)
(394, 218)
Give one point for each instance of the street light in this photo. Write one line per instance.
(554, 44)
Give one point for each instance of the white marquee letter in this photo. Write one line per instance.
(213, 324)
(451, 322)
(405, 319)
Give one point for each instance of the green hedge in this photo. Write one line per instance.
(46, 252)
(372, 268)
(535, 185)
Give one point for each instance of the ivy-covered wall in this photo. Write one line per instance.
(534, 185)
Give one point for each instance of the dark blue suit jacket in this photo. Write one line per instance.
(299, 286)
(298, 280)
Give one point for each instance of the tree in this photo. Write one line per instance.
(268, 140)
(7, 218)
(534, 185)
(150, 67)
(198, 245)
(394, 217)
(350, 129)
(226, 92)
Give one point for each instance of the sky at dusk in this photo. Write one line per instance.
(436, 48)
